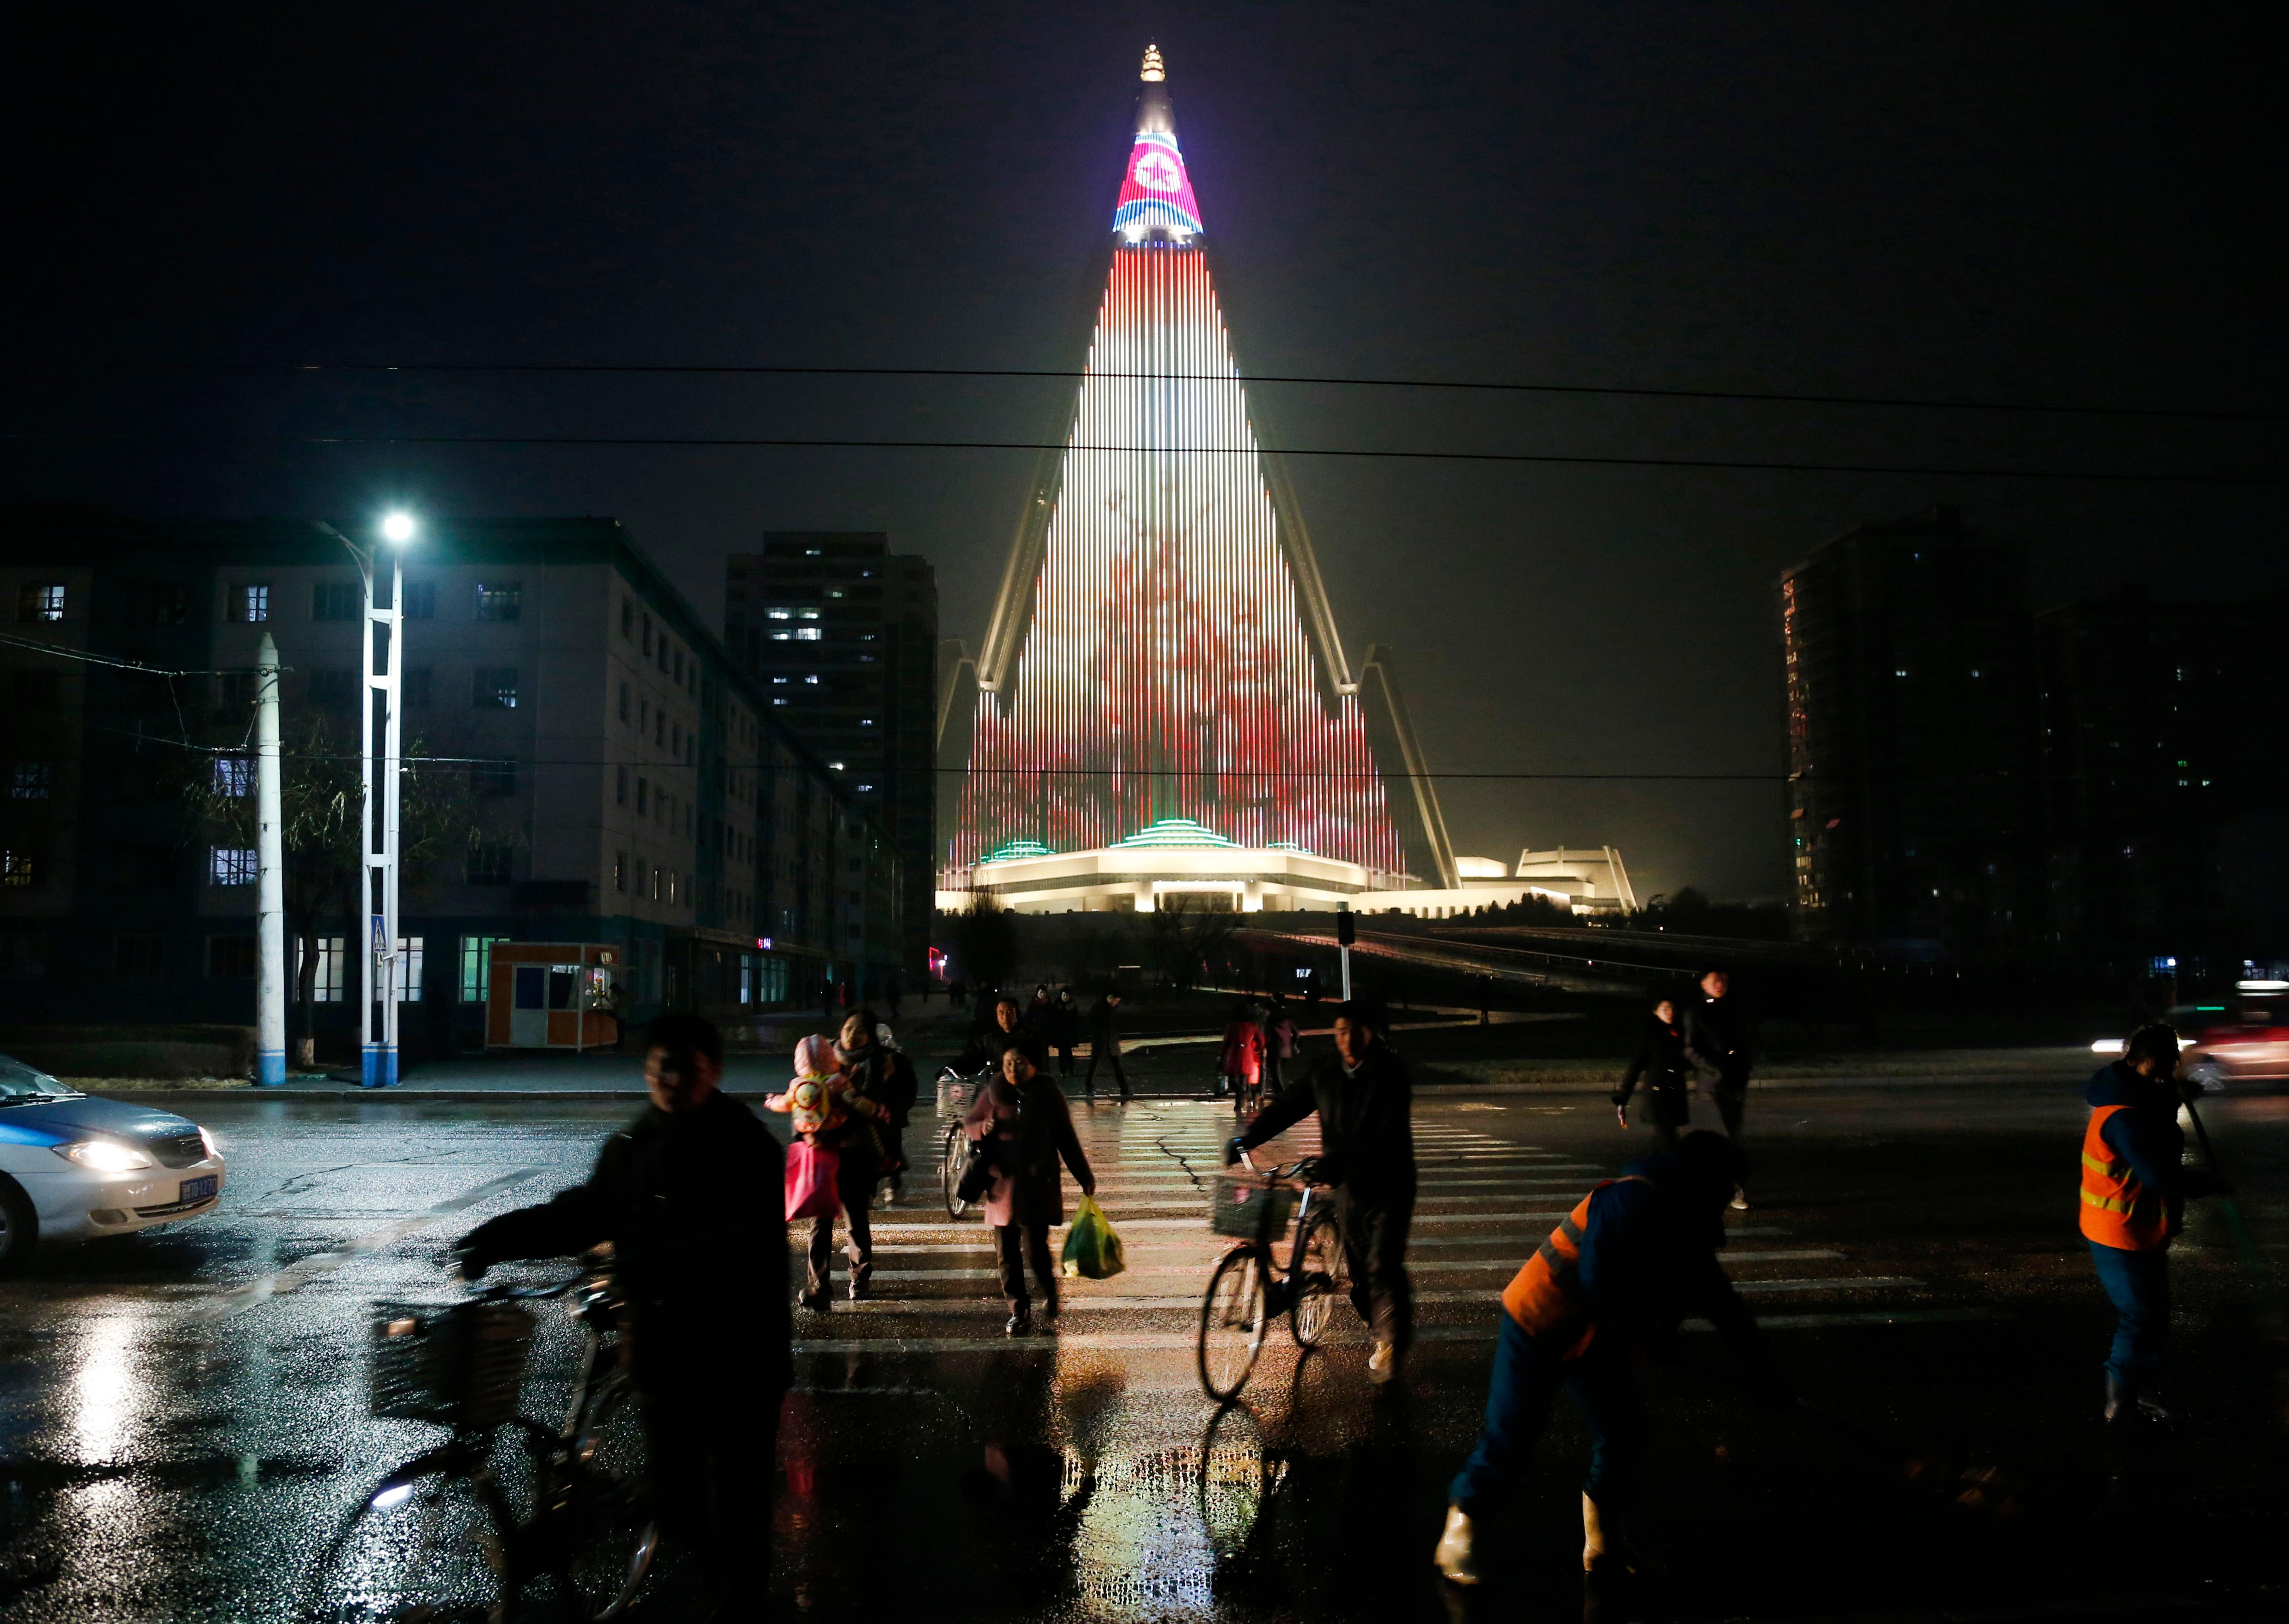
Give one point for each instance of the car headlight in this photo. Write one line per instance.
(213, 1145)
(104, 1156)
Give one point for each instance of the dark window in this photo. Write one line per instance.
(500, 600)
(158, 603)
(145, 693)
(493, 779)
(647, 635)
(31, 781)
(627, 620)
(494, 688)
(336, 688)
(37, 691)
(623, 702)
(416, 678)
(230, 958)
(619, 871)
(23, 957)
(238, 691)
(489, 865)
(40, 602)
(643, 794)
(249, 601)
(679, 665)
(620, 787)
(421, 600)
(135, 955)
(337, 601)
(145, 868)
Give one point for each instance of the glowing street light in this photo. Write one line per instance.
(397, 528)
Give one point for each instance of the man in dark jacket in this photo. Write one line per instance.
(1367, 1137)
(1105, 1043)
(1720, 1039)
(885, 1076)
(2134, 1188)
(1006, 1026)
(689, 1196)
(1611, 1284)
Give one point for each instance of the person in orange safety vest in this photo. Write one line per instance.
(2134, 1188)
(1610, 1286)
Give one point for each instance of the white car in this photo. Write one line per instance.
(73, 1167)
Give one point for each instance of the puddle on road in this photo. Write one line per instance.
(1156, 1526)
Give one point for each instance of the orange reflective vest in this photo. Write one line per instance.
(1545, 1296)
(2118, 1211)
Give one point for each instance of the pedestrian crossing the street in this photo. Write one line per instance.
(1485, 1202)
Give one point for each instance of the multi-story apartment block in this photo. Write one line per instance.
(586, 764)
(842, 633)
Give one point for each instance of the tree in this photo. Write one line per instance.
(1186, 933)
(320, 800)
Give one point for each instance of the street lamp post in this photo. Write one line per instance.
(378, 821)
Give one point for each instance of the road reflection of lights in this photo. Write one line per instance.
(104, 1393)
(1158, 1523)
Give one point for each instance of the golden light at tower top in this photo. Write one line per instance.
(1153, 72)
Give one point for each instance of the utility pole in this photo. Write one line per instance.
(270, 885)
(378, 813)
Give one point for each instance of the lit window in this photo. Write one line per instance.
(812, 614)
(250, 603)
(409, 969)
(234, 777)
(865, 789)
(779, 678)
(326, 983)
(19, 869)
(781, 637)
(40, 602)
(494, 688)
(500, 600)
(806, 634)
(837, 766)
(231, 865)
(779, 702)
(1901, 672)
(812, 680)
(477, 967)
(776, 614)
(866, 721)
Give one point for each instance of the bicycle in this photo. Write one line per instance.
(955, 1094)
(1250, 1288)
(406, 1551)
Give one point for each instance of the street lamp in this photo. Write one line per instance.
(378, 820)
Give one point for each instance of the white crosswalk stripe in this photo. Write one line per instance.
(1483, 1204)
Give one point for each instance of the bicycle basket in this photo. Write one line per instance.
(459, 1364)
(1249, 1209)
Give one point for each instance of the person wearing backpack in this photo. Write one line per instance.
(1022, 1124)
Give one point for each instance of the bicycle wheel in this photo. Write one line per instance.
(1231, 1324)
(1322, 1270)
(428, 1548)
(950, 1169)
(610, 1536)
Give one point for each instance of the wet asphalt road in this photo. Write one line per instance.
(182, 1415)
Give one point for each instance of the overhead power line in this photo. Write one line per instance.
(811, 442)
(1488, 385)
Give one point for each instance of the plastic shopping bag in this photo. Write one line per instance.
(811, 1170)
(1092, 1250)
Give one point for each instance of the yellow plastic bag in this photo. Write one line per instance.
(1092, 1250)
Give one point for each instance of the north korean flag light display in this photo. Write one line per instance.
(1165, 672)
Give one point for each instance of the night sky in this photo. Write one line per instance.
(2036, 204)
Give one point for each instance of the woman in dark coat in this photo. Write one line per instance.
(1667, 1075)
(1021, 1116)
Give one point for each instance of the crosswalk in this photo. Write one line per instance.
(1485, 1202)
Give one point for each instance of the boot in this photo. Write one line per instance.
(1453, 1557)
(1603, 1548)
(2121, 1399)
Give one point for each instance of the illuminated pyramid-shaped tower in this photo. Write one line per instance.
(1162, 673)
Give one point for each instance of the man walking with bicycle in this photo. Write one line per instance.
(1367, 1137)
(690, 1194)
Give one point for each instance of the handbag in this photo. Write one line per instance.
(977, 1172)
(810, 1177)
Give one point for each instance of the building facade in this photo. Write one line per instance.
(1161, 703)
(1913, 806)
(841, 633)
(2164, 786)
(586, 764)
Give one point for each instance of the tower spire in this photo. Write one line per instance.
(1156, 202)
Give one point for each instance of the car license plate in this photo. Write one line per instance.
(199, 1190)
